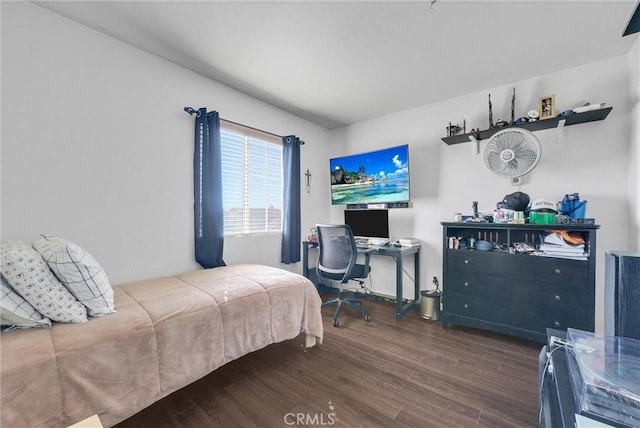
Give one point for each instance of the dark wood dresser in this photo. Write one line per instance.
(515, 293)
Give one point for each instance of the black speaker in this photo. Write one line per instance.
(622, 294)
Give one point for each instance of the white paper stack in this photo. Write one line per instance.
(408, 242)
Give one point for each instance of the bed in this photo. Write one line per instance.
(166, 333)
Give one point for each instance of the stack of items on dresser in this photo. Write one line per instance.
(562, 244)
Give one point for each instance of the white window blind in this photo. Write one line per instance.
(252, 177)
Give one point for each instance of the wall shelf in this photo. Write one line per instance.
(572, 119)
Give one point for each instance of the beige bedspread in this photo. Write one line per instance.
(167, 333)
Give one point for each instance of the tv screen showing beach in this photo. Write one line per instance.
(369, 178)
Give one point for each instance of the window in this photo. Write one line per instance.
(252, 180)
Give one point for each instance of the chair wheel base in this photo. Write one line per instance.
(340, 302)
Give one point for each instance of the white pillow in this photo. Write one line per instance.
(30, 277)
(15, 312)
(79, 272)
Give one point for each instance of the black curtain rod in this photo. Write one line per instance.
(191, 110)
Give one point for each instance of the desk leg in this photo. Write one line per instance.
(416, 279)
(399, 294)
(402, 309)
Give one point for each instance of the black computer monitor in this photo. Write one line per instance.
(368, 223)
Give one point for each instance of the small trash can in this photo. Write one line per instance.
(430, 305)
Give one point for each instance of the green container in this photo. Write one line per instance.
(542, 218)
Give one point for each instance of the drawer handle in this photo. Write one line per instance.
(466, 306)
(466, 262)
(557, 270)
(556, 323)
(557, 297)
(466, 284)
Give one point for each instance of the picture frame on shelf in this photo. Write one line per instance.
(547, 107)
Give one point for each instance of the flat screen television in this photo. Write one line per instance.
(368, 223)
(380, 176)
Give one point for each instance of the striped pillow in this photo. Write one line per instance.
(79, 272)
(15, 312)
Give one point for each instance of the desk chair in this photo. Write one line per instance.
(337, 258)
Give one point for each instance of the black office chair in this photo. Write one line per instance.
(337, 258)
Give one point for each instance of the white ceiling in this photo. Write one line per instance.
(339, 62)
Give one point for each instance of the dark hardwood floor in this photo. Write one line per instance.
(383, 373)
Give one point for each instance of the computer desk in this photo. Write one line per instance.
(398, 253)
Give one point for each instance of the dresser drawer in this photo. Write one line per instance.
(504, 265)
(476, 262)
(507, 290)
(535, 315)
(487, 308)
(527, 288)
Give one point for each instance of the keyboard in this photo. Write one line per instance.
(371, 242)
(379, 242)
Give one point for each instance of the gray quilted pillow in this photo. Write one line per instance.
(15, 312)
(79, 272)
(30, 277)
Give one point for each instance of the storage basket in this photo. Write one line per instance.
(542, 218)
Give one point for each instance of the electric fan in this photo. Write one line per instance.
(512, 153)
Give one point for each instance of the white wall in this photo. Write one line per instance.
(97, 149)
(634, 152)
(1, 98)
(593, 160)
